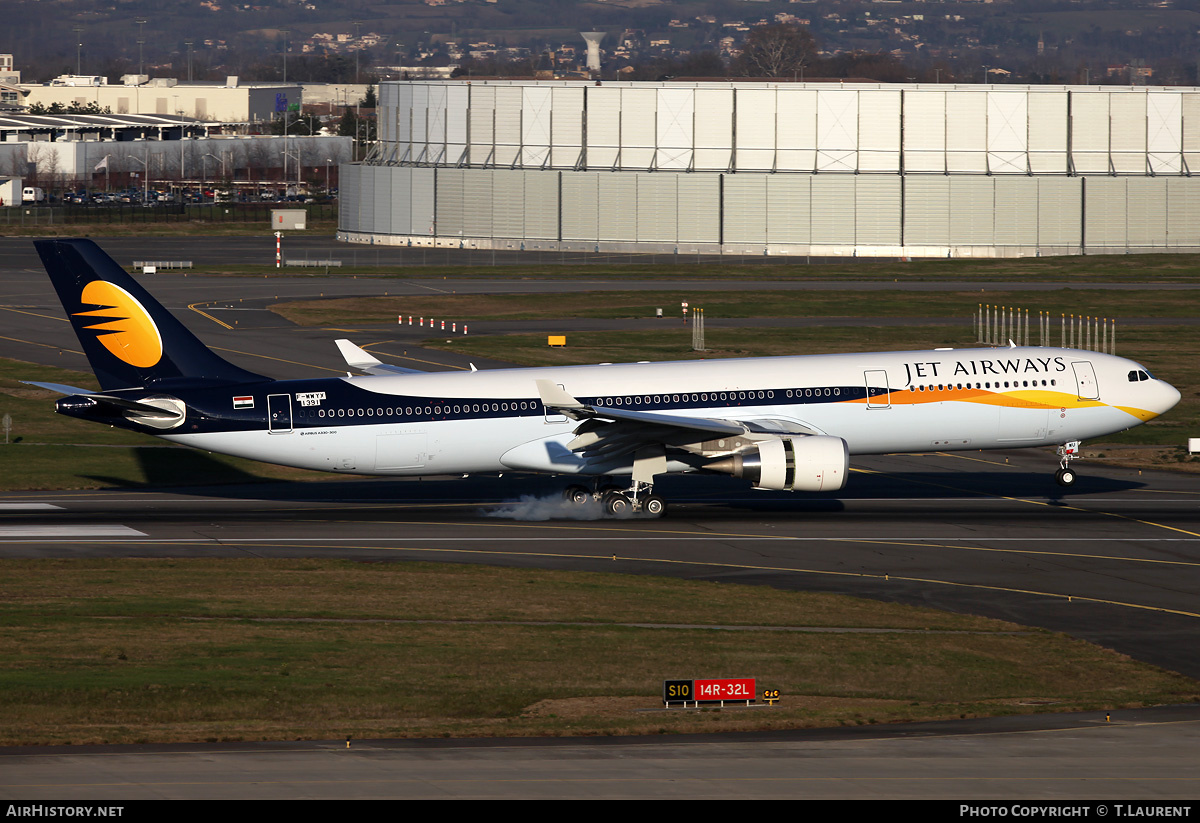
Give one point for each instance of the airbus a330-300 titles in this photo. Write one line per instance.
(784, 423)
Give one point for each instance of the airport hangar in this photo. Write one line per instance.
(779, 168)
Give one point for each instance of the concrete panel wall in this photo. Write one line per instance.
(785, 168)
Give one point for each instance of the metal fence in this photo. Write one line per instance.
(157, 213)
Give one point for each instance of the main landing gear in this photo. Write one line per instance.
(618, 502)
(1067, 452)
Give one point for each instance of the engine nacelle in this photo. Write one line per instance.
(810, 464)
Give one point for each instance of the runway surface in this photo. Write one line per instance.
(1113, 560)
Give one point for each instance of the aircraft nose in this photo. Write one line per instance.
(1170, 397)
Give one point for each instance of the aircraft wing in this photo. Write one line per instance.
(555, 397)
(609, 432)
(357, 358)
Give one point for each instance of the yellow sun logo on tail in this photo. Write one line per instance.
(129, 334)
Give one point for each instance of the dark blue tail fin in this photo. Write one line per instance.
(129, 338)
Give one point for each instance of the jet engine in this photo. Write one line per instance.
(811, 464)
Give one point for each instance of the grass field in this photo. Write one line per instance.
(742, 304)
(1082, 271)
(120, 651)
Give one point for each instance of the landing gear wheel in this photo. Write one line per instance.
(617, 504)
(1065, 477)
(654, 505)
(576, 495)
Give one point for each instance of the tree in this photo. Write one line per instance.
(776, 51)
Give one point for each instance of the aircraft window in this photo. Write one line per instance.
(370, 412)
(837, 392)
(1133, 377)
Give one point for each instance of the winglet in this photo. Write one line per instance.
(555, 396)
(358, 358)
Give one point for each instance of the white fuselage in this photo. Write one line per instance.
(877, 402)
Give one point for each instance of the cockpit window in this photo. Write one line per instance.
(1138, 375)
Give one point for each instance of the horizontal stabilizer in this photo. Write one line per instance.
(108, 406)
(58, 387)
(357, 358)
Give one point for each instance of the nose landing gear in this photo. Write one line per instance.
(1067, 452)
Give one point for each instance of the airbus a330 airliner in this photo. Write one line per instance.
(784, 423)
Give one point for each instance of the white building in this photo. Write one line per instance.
(233, 101)
(246, 159)
(781, 168)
